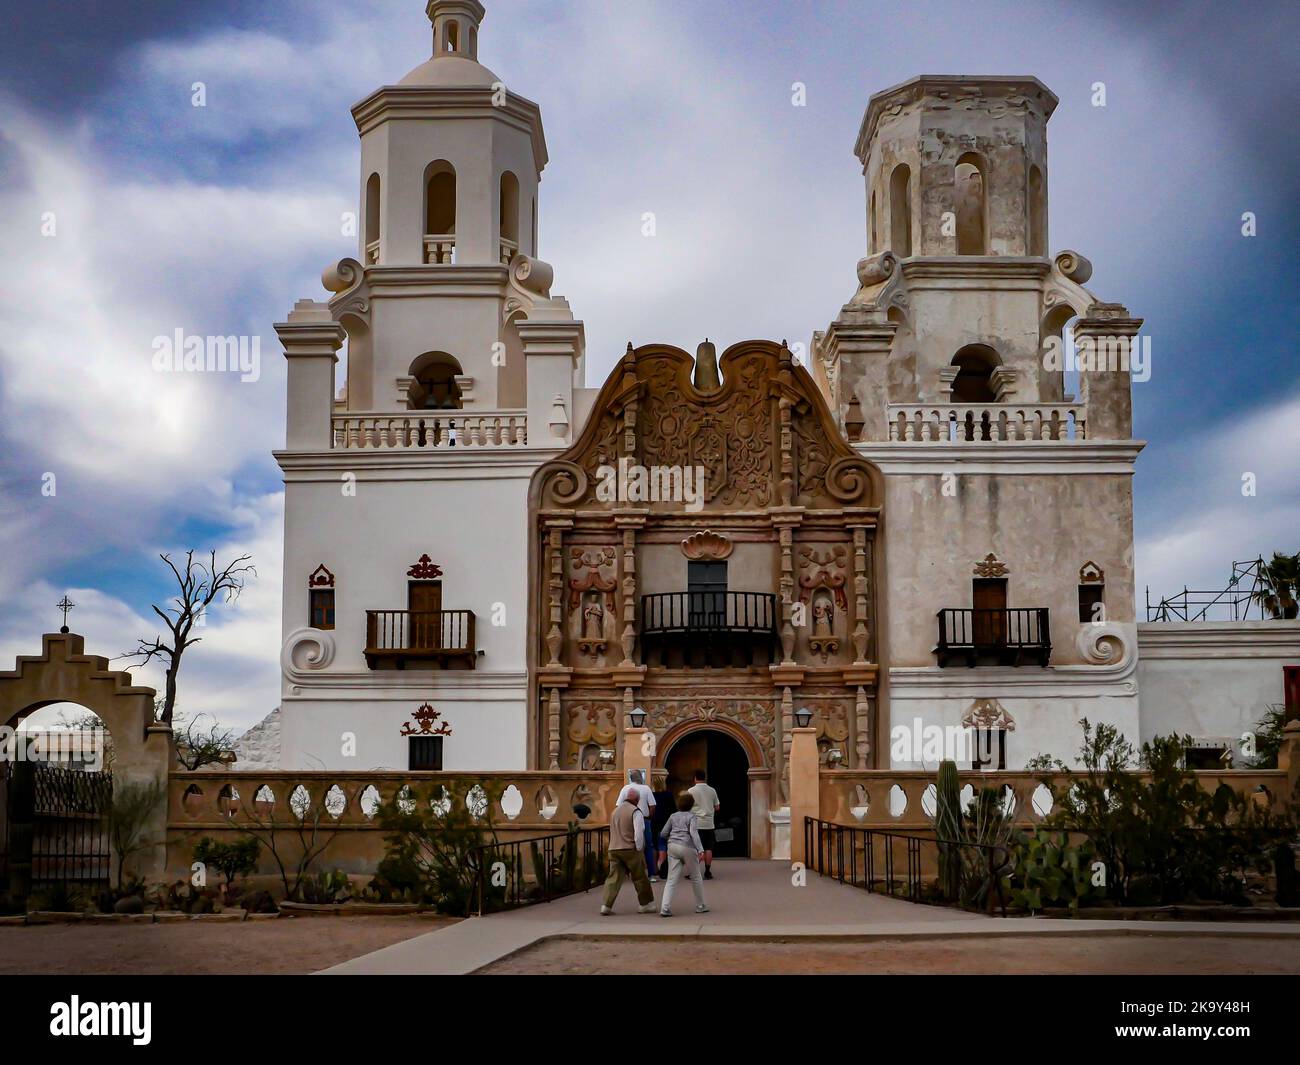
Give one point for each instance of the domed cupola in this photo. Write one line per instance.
(450, 159)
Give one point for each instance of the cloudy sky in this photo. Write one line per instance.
(127, 213)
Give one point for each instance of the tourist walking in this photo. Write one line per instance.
(707, 806)
(682, 831)
(646, 804)
(627, 832)
(664, 807)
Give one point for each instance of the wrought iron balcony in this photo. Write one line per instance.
(999, 636)
(420, 639)
(710, 629)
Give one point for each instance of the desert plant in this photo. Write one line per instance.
(1279, 580)
(986, 859)
(229, 859)
(1160, 835)
(1050, 871)
(134, 810)
(294, 852)
(947, 829)
(327, 888)
(1268, 738)
(434, 848)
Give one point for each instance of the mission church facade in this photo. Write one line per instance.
(489, 565)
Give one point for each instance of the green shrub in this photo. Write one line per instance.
(1164, 838)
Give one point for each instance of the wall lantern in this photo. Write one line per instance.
(803, 717)
(637, 717)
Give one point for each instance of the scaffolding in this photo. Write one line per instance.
(1236, 602)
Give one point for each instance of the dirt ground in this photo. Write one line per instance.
(288, 945)
(1099, 954)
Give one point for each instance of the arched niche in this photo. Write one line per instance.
(433, 382)
(974, 382)
(509, 216)
(439, 212)
(359, 365)
(970, 196)
(1036, 236)
(373, 203)
(900, 211)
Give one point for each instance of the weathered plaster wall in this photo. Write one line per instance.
(1043, 527)
(1212, 680)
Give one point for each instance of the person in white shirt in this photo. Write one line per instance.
(707, 806)
(646, 804)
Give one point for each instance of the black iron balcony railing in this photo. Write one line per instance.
(707, 613)
(1007, 636)
(397, 638)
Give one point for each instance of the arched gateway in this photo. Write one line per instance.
(707, 550)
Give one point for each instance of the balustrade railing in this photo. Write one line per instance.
(430, 429)
(531, 800)
(962, 423)
(439, 248)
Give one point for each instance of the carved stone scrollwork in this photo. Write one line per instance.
(563, 483)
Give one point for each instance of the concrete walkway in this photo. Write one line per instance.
(748, 899)
(745, 898)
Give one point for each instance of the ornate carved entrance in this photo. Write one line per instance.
(706, 550)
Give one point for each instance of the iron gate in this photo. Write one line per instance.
(54, 829)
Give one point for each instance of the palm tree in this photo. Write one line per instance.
(1278, 586)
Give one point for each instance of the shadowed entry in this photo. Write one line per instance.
(723, 760)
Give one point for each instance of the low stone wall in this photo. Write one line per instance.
(898, 799)
(339, 808)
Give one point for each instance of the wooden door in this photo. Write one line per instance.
(989, 621)
(424, 601)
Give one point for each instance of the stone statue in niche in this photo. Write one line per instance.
(593, 643)
(822, 641)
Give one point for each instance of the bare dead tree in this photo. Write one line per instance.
(200, 584)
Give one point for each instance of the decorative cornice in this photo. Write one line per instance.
(1012, 457)
(1219, 639)
(443, 102)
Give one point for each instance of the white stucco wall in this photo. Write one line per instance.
(1212, 680)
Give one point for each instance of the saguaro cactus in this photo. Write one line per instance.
(947, 827)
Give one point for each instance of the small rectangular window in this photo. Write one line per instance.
(1092, 602)
(1207, 754)
(990, 749)
(425, 753)
(322, 608)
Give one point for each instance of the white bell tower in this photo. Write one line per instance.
(451, 161)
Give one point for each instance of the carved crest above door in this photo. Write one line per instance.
(764, 439)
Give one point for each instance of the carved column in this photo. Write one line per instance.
(553, 729)
(862, 729)
(629, 523)
(555, 588)
(861, 595)
(787, 732)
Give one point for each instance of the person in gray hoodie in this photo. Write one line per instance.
(684, 853)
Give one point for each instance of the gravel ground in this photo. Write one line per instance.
(285, 946)
(1099, 954)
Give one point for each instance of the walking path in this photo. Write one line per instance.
(748, 899)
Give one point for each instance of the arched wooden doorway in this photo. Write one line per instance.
(726, 766)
